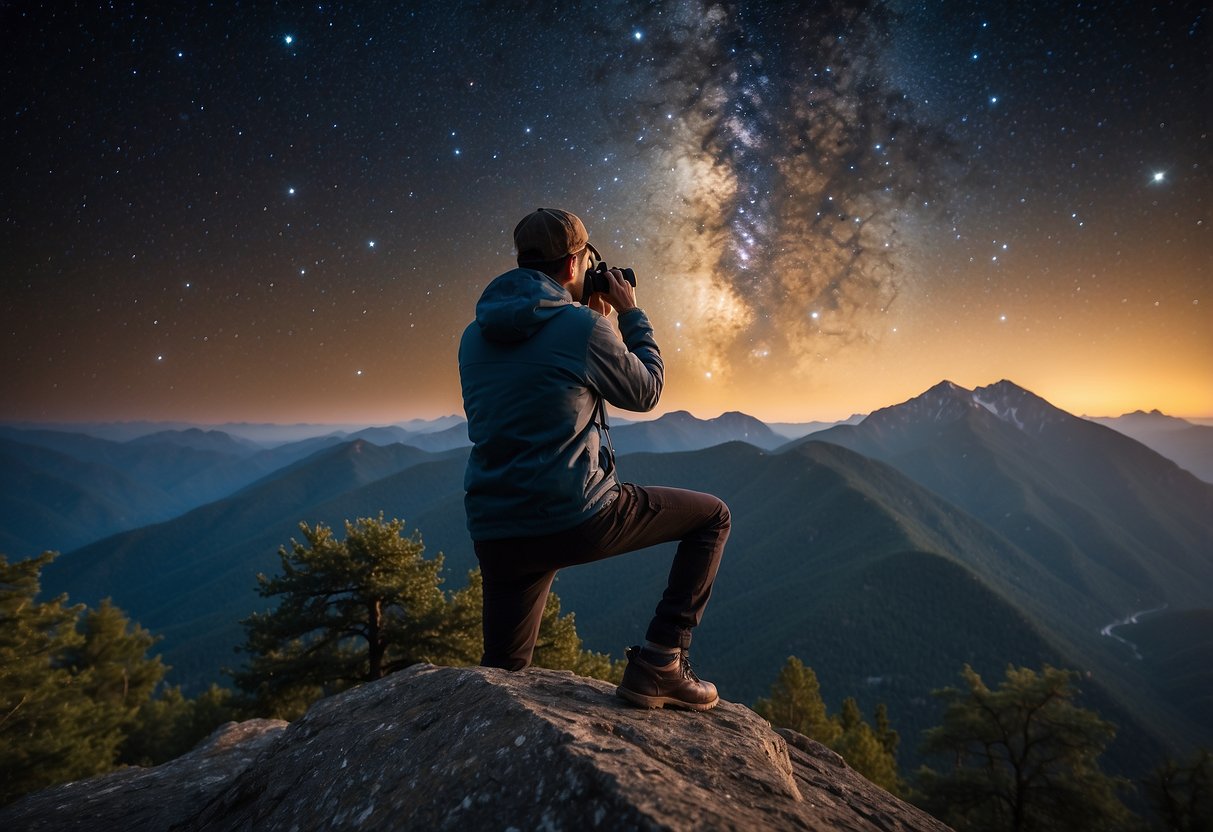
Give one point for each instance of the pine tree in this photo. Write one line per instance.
(1021, 757)
(171, 725)
(796, 703)
(349, 611)
(889, 739)
(863, 748)
(72, 681)
(354, 610)
(1182, 793)
(559, 647)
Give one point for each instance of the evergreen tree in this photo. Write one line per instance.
(354, 610)
(171, 725)
(889, 739)
(863, 749)
(72, 681)
(349, 611)
(1022, 757)
(559, 647)
(1182, 794)
(796, 703)
(112, 669)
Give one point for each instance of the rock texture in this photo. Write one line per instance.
(474, 748)
(147, 798)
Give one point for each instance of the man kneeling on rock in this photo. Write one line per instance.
(537, 365)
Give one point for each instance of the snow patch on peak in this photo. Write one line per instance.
(1005, 412)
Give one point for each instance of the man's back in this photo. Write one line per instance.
(537, 464)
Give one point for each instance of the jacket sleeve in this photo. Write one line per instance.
(629, 373)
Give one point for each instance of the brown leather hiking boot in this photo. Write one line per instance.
(675, 684)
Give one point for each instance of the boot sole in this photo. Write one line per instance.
(662, 701)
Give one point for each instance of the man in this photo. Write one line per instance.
(536, 367)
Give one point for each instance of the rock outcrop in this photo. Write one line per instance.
(473, 748)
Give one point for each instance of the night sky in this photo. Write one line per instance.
(285, 212)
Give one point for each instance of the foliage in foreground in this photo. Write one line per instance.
(796, 703)
(355, 609)
(1181, 793)
(72, 683)
(1021, 757)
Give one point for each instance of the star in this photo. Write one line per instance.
(289, 39)
(370, 243)
(1159, 176)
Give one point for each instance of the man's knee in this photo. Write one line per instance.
(722, 519)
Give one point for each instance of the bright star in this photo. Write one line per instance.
(370, 243)
(1159, 176)
(638, 35)
(290, 191)
(289, 39)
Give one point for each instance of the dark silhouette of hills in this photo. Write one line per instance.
(680, 431)
(50, 500)
(194, 576)
(983, 526)
(797, 430)
(1189, 446)
(65, 490)
(455, 436)
(1098, 510)
(1176, 649)
(200, 440)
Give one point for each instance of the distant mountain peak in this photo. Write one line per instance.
(737, 418)
(682, 417)
(1015, 405)
(948, 402)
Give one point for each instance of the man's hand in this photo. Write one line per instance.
(622, 295)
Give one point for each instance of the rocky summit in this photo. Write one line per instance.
(434, 748)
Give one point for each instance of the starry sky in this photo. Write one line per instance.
(216, 212)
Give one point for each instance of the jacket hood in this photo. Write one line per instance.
(518, 303)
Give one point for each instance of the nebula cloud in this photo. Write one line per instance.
(791, 173)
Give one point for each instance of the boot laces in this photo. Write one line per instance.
(685, 666)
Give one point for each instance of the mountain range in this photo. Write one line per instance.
(1190, 445)
(983, 526)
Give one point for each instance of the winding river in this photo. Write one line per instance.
(1132, 619)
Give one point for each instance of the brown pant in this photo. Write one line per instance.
(518, 572)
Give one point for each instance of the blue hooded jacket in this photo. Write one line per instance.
(535, 367)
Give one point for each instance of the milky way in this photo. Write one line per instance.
(796, 162)
(287, 212)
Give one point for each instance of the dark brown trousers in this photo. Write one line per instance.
(518, 572)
